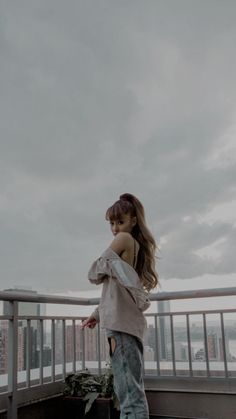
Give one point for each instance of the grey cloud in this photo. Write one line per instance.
(102, 98)
(227, 262)
(178, 257)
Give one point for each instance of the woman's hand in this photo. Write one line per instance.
(89, 322)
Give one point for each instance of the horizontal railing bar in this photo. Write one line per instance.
(51, 317)
(189, 294)
(182, 313)
(166, 313)
(49, 299)
(160, 296)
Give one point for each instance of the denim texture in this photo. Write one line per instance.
(127, 365)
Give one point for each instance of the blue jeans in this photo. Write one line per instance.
(126, 352)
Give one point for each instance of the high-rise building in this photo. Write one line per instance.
(3, 346)
(181, 351)
(213, 345)
(25, 309)
(221, 354)
(69, 342)
(162, 328)
(21, 349)
(91, 347)
(148, 353)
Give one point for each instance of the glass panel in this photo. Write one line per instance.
(197, 345)
(230, 342)
(150, 352)
(165, 345)
(91, 348)
(47, 351)
(34, 352)
(214, 346)
(22, 352)
(181, 345)
(58, 349)
(79, 345)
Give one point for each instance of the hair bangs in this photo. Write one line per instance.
(117, 210)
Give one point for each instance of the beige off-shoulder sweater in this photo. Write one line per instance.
(123, 298)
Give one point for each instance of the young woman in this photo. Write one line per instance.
(127, 271)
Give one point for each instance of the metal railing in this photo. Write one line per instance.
(162, 358)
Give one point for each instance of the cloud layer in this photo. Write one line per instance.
(101, 98)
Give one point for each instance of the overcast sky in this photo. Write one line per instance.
(104, 97)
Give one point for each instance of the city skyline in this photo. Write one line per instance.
(214, 348)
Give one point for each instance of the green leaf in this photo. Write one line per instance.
(90, 398)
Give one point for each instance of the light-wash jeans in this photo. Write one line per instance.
(127, 365)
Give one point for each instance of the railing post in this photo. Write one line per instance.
(99, 349)
(189, 347)
(13, 361)
(41, 351)
(28, 352)
(223, 345)
(157, 347)
(206, 345)
(172, 344)
(73, 346)
(53, 350)
(83, 348)
(63, 349)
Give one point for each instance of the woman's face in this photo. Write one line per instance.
(124, 224)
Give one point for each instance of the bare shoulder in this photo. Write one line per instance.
(124, 236)
(121, 242)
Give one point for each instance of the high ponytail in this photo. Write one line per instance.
(129, 204)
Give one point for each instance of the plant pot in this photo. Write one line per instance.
(102, 408)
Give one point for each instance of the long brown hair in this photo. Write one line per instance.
(129, 204)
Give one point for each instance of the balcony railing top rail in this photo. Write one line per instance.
(159, 296)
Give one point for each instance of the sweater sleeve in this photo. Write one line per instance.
(99, 271)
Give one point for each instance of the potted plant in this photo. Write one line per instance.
(88, 395)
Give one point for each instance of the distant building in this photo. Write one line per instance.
(25, 309)
(162, 327)
(3, 346)
(69, 343)
(221, 354)
(148, 353)
(91, 347)
(213, 346)
(90, 343)
(200, 355)
(181, 351)
(21, 349)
